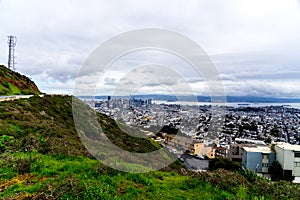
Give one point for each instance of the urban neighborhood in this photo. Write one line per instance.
(254, 136)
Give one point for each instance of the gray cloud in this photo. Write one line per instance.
(253, 43)
(109, 81)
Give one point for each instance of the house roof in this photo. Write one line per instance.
(184, 139)
(261, 149)
(288, 146)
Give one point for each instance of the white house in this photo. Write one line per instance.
(289, 157)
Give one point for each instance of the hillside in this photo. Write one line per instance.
(42, 157)
(13, 83)
(45, 124)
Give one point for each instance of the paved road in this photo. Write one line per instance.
(13, 97)
(194, 163)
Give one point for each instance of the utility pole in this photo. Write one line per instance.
(12, 41)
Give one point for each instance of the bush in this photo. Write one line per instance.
(225, 180)
(4, 141)
(248, 174)
(224, 163)
(276, 171)
(23, 165)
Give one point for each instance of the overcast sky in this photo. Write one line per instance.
(255, 44)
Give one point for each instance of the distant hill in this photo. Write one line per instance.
(14, 83)
(163, 97)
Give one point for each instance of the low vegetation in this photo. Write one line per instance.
(39, 176)
(14, 83)
(224, 163)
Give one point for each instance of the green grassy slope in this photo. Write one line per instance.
(42, 157)
(13, 83)
(45, 124)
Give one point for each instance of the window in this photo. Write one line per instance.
(297, 154)
(297, 164)
(265, 165)
(265, 156)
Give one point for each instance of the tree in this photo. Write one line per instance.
(224, 163)
(276, 171)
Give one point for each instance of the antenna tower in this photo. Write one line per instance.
(12, 41)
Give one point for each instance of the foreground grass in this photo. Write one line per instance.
(38, 176)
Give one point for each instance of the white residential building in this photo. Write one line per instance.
(289, 157)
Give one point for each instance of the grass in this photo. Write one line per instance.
(46, 124)
(14, 89)
(13, 83)
(79, 177)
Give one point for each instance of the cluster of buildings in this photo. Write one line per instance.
(254, 136)
(260, 158)
(188, 145)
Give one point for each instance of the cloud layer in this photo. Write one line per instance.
(254, 44)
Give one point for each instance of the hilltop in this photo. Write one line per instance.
(14, 83)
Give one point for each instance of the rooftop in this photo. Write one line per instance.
(262, 149)
(288, 146)
(249, 141)
(184, 139)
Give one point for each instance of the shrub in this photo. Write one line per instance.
(276, 171)
(224, 163)
(23, 165)
(225, 180)
(4, 141)
(248, 174)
